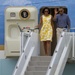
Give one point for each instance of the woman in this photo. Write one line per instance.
(46, 31)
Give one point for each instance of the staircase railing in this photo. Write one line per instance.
(30, 48)
(61, 53)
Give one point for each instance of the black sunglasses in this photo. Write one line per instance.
(45, 11)
(61, 11)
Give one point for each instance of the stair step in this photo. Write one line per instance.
(35, 73)
(37, 68)
(41, 58)
(40, 63)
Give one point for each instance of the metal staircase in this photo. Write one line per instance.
(38, 65)
(30, 63)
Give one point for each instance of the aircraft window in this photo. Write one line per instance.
(12, 14)
(24, 14)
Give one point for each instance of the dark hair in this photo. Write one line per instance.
(61, 8)
(44, 10)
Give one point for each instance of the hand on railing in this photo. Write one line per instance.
(37, 27)
(66, 29)
(28, 28)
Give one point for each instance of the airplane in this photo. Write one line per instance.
(7, 65)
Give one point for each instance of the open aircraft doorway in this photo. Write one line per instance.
(54, 42)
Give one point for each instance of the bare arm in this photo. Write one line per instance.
(40, 23)
(55, 13)
(52, 23)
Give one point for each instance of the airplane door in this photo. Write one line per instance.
(54, 42)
